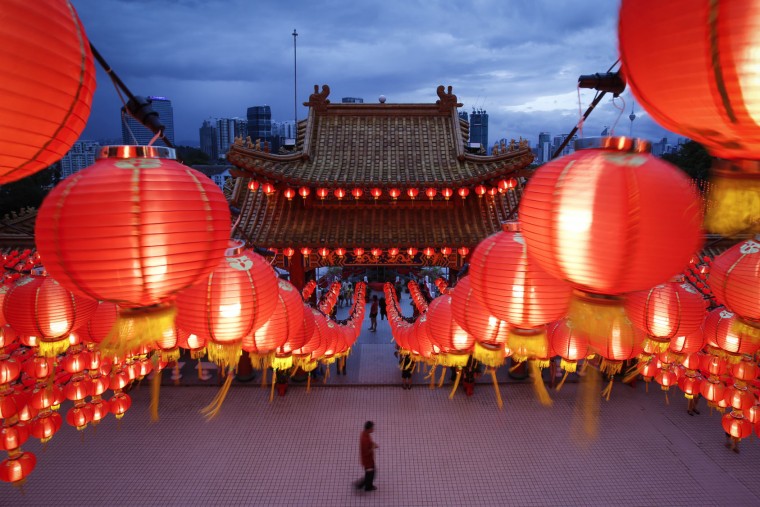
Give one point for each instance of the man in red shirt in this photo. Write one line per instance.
(367, 452)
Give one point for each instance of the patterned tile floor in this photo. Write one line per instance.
(302, 449)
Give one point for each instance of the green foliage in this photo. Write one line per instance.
(191, 156)
(29, 191)
(693, 159)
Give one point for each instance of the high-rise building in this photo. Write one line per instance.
(352, 100)
(260, 123)
(132, 132)
(568, 149)
(544, 148)
(208, 139)
(227, 129)
(479, 127)
(82, 154)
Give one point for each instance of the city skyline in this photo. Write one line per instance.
(520, 63)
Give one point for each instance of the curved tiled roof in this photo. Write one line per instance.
(404, 145)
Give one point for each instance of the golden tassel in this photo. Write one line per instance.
(456, 383)
(155, 391)
(213, 408)
(589, 405)
(633, 372)
(499, 402)
(443, 375)
(327, 375)
(53, 348)
(516, 366)
(667, 400)
(136, 327)
(263, 377)
(271, 391)
(562, 382)
(608, 390)
(538, 385)
(432, 377)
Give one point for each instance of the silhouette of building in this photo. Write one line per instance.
(207, 134)
(544, 148)
(479, 127)
(82, 154)
(132, 131)
(260, 123)
(352, 100)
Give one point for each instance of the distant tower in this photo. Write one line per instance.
(260, 123)
(631, 117)
(134, 133)
(479, 127)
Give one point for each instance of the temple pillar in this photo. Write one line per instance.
(296, 270)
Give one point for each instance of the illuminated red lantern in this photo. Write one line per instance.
(322, 193)
(447, 193)
(412, 193)
(735, 424)
(411, 251)
(666, 311)
(493, 192)
(376, 252)
(288, 252)
(489, 332)
(120, 403)
(463, 192)
(611, 221)
(305, 251)
(253, 185)
(394, 193)
(39, 306)
(304, 192)
(339, 193)
(693, 68)
(512, 285)
(480, 190)
(739, 398)
(100, 323)
(357, 192)
(17, 467)
(79, 416)
(735, 282)
(358, 252)
(284, 323)
(393, 251)
(138, 217)
(323, 251)
(720, 327)
(289, 193)
(431, 193)
(428, 251)
(449, 336)
(46, 425)
(10, 369)
(568, 343)
(463, 251)
(688, 344)
(235, 300)
(445, 250)
(376, 192)
(48, 81)
(268, 189)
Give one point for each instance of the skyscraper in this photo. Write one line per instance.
(260, 123)
(82, 154)
(544, 147)
(227, 129)
(208, 140)
(132, 132)
(479, 127)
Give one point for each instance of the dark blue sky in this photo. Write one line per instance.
(519, 60)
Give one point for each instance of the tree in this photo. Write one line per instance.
(29, 191)
(191, 156)
(694, 160)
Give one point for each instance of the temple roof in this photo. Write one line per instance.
(402, 145)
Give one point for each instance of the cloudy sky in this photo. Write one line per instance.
(519, 60)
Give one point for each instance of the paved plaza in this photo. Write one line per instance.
(302, 449)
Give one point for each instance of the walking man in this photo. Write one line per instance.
(367, 452)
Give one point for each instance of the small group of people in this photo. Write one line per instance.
(378, 306)
(346, 294)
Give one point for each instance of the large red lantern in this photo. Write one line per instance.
(450, 336)
(283, 325)
(235, 300)
(720, 329)
(17, 467)
(135, 228)
(611, 219)
(693, 67)
(39, 306)
(489, 332)
(48, 81)
(568, 343)
(735, 281)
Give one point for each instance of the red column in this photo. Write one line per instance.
(297, 273)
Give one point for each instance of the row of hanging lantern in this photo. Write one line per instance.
(375, 252)
(394, 193)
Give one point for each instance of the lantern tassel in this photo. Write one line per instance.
(667, 400)
(432, 377)
(155, 392)
(562, 382)
(213, 408)
(308, 382)
(538, 385)
(263, 377)
(589, 404)
(327, 375)
(633, 372)
(136, 327)
(271, 391)
(443, 375)
(499, 401)
(456, 383)
(607, 391)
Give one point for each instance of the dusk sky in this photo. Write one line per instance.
(518, 60)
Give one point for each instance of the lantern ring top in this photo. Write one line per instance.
(131, 151)
(627, 144)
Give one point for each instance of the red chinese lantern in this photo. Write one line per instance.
(688, 344)
(46, 425)
(493, 191)
(480, 190)
(445, 250)
(450, 337)
(288, 252)
(324, 252)
(720, 328)
(428, 251)
(305, 251)
(253, 185)
(666, 311)
(322, 193)
(48, 81)
(463, 192)
(463, 251)
(285, 323)
(357, 193)
(39, 306)
(447, 193)
(490, 333)
(411, 251)
(412, 193)
(693, 68)
(735, 424)
(394, 193)
(611, 221)
(304, 192)
(393, 251)
(138, 217)
(568, 343)
(376, 252)
(120, 403)
(17, 467)
(735, 282)
(358, 252)
(100, 323)
(339, 193)
(235, 300)
(289, 193)
(340, 251)
(268, 189)
(376, 192)
(431, 193)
